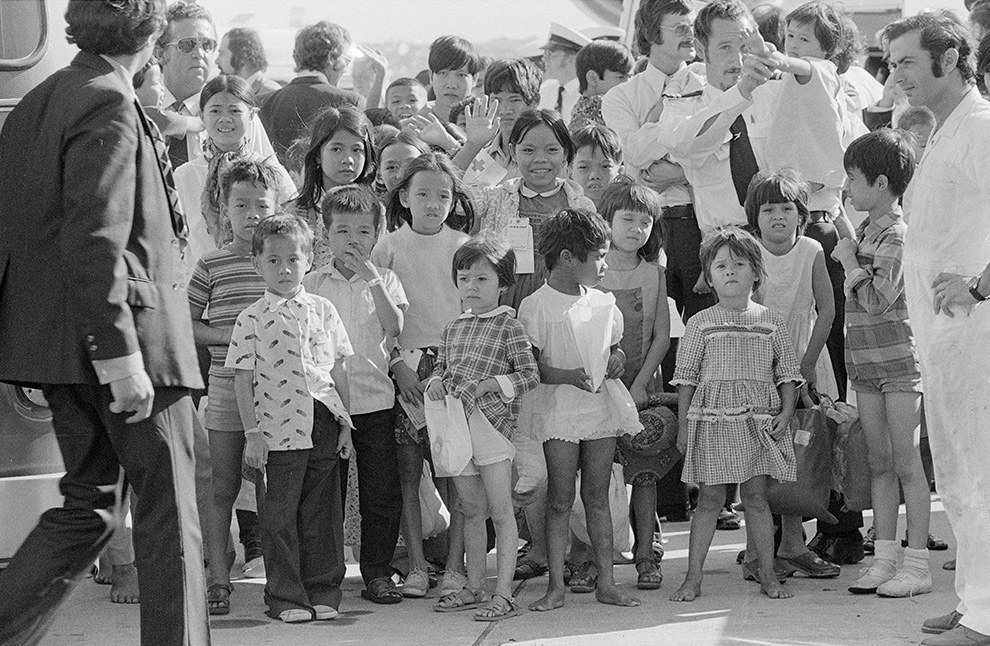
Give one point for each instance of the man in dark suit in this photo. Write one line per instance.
(92, 310)
(321, 57)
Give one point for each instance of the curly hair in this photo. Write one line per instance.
(113, 27)
(316, 45)
(246, 49)
(179, 11)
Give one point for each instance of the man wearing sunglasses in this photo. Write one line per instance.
(187, 50)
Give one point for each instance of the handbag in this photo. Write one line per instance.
(618, 505)
(450, 439)
(808, 496)
(435, 516)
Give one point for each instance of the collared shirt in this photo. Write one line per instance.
(624, 109)
(302, 74)
(548, 96)
(291, 346)
(526, 191)
(477, 347)
(367, 371)
(879, 341)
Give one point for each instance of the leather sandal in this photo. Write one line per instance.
(218, 598)
(382, 590)
(649, 576)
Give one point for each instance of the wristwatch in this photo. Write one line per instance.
(975, 292)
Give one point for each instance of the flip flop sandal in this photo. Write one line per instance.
(649, 575)
(583, 580)
(382, 591)
(466, 599)
(218, 598)
(499, 608)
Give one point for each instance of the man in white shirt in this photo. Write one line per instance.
(559, 90)
(946, 249)
(665, 31)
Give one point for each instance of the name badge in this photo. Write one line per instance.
(520, 238)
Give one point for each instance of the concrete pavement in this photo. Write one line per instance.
(731, 612)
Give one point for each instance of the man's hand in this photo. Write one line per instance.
(133, 393)
(481, 121)
(662, 174)
(951, 291)
(755, 72)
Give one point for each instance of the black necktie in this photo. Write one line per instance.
(560, 99)
(742, 161)
(179, 224)
(178, 153)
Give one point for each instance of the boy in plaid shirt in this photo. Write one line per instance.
(882, 361)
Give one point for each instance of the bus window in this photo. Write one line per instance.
(23, 33)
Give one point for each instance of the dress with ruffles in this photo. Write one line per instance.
(736, 359)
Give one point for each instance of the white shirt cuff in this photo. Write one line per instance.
(110, 370)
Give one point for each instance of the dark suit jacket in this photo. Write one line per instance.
(287, 113)
(89, 256)
(263, 87)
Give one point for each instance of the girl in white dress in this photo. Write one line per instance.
(580, 406)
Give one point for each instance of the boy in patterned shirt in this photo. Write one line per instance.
(291, 388)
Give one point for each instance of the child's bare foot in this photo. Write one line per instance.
(774, 590)
(104, 571)
(125, 584)
(612, 595)
(553, 599)
(689, 590)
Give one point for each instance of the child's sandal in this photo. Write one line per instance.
(218, 598)
(648, 573)
(497, 608)
(464, 599)
(585, 579)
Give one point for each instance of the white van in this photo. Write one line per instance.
(32, 46)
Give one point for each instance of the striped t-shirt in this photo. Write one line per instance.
(223, 284)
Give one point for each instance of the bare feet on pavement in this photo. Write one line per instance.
(553, 599)
(612, 595)
(124, 588)
(689, 590)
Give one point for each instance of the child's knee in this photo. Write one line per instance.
(711, 498)
(881, 462)
(559, 502)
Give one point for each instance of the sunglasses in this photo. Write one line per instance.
(186, 45)
(681, 30)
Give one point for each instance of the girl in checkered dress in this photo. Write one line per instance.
(737, 379)
(485, 360)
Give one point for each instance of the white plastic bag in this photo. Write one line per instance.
(450, 439)
(618, 504)
(592, 327)
(434, 513)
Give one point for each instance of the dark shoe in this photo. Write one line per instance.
(938, 625)
(677, 516)
(526, 569)
(934, 544)
(382, 591)
(727, 520)
(844, 549)
(218, 598)
(949, 565)
(958, 636)
(810, 565)
(871, 535)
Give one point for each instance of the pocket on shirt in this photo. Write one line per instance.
(324, 349)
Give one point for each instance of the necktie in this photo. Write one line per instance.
(179, 224)
(742, 161)
(560, 99)
(178, 153)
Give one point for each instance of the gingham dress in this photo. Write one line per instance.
(736, 359)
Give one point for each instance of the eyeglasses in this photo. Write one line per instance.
(186, 45)
(681, 29)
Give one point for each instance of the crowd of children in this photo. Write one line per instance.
(480, 260)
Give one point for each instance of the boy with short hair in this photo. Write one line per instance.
(882, 361)
(290, 387)
(597, 160)
(485, 160)
(601, 65)
(404, 98)
(371, 302)
(453, 67)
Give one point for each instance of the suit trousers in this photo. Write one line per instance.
(302, 522)
(684, 266)
(157, 457)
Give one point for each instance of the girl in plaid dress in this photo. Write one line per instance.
(737, 379)
(485, 360)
